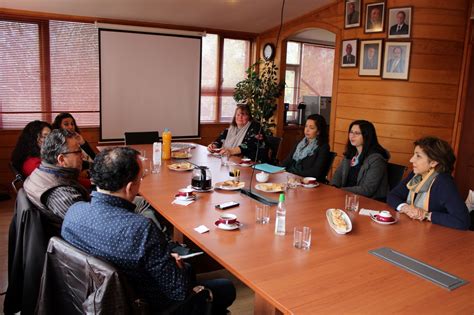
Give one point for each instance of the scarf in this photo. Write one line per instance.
(235, 136)
(304, 148)
(419, 189)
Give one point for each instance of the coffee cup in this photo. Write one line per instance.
(245, 160)
(385, 216)
(262, 177)
(185, 192)
(309, 180)
(227, 218)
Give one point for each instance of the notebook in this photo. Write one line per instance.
(268, 168)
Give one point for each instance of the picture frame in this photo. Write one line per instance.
(399, 22)
(396, 64)
(352, 13)
(370, 61)
(374, 17)
(349, 53)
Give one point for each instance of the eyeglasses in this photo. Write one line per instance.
(355, 133)
(72, 152)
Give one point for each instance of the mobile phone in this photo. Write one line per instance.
(227, 205)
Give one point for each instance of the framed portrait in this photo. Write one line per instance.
(399, 22)
(349, 53)
(374, 17)
(396, 63)
(370, 60)
(352, 13)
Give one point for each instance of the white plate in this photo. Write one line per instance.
(228, 227)
(179, 156)
(261, 187)
(345, 217)
(382, 222)
(199, 190)
(309, 185)
(173, 168)
(238, 187)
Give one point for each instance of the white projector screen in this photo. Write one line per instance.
(149, 82)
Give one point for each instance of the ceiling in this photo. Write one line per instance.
(254, 16)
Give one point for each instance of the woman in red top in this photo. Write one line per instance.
(26, 155)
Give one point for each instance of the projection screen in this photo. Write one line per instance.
(149, 82)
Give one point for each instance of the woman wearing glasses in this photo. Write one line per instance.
(363, 170)
(26, 155)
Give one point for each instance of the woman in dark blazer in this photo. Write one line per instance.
(311, 156)
(429, 192)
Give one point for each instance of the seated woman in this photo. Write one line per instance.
(66, 121)
(311, 156)
(429, 192)
(26, 155)
(363, 170)
(243, 136)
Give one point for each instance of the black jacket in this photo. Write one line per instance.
(315, 165)
(27, 241)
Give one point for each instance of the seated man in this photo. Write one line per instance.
(107, 227)
(54, 185)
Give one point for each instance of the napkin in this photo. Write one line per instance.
(201, 229)
(368, 212)
(182, 202)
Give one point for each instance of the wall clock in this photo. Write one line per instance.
(268, 51)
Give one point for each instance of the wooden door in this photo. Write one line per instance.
(465, 158)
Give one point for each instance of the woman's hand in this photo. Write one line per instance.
(179, 262)
(79, 138)
(230, 151)
(413, 212)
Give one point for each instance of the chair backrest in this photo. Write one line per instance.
(27, 242)
(395, 174)
(274, 146)
(145, 137)
(332, 157)
(17, 182)
(75, 282)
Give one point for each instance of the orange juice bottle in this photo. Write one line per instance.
(166, 151)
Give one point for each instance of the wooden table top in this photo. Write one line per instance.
(337, 275)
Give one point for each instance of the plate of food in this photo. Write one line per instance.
(181, 167)
(339, 221)
(181, 155)
(230, 185)
(270, 187)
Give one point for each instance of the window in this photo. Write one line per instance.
(217, 87)
(38, 85)
(309, 71)
(20, 79)
(75, 71)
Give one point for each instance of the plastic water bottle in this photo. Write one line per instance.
(156, 157)
(166, 136)
(280, 222)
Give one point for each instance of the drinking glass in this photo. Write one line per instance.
(262, 214)
(224, 160)
(302, 237)
(352, 202)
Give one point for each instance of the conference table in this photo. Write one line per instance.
(338, 274)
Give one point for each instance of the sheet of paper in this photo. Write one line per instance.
(201, 229)
(182, 202)
(368, 212)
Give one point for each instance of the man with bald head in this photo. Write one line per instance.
(348, 58)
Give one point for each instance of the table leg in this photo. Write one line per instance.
(262, 307)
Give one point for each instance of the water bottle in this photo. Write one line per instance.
(156, 158)
(280, 221)
(166, 136)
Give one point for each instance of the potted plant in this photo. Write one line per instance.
(261, 90)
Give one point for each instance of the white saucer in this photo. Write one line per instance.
(310, 185)
(228, 227)
(383, 222)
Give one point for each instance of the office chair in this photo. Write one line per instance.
(274, 146)
(395, 174)
(17, 182)
(332, 157)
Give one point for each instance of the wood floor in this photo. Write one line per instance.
(242, 306)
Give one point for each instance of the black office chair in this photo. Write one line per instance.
(328, 168)
(395, 174)
(274, 146)
(145, 137)
(17, 182)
